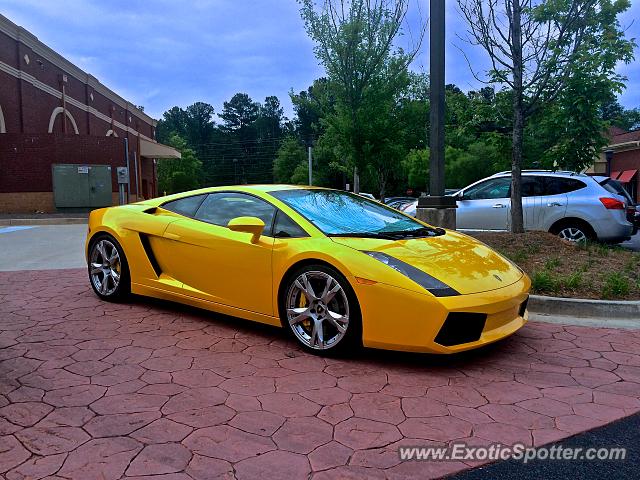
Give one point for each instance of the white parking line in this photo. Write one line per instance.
(14, 229)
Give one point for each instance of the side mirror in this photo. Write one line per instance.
(252, 225)
(460, 195)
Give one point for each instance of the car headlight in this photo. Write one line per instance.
(433, 285)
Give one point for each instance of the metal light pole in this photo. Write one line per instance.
(608, 155)
(436, 97)
(437, 209)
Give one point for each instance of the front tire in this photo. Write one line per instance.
(108, 268)
(319, 308)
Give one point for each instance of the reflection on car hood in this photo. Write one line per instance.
(461, 262)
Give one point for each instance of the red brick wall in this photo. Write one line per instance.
(26, 160)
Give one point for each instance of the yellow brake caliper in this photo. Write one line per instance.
(302, 302)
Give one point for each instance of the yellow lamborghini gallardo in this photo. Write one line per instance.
(335, 269)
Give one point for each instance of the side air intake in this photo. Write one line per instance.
(146, 244)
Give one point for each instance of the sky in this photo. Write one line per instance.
(162, 53)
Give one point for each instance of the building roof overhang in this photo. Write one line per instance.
(157, 150)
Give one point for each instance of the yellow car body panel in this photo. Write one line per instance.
(208, 266)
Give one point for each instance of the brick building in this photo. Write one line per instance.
(61, 130)
(624, 160)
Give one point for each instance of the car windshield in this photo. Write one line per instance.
(339, 213)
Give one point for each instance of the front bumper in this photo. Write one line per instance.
(397, 319)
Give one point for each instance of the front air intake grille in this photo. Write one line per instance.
(461, 327)
(523, 307)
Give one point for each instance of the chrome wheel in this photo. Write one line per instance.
(317, 310)
(105, 267)
(572, 234)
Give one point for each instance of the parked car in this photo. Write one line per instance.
(615, 187)
(367, 195)
(332, 268)
(398, 202)
(574, 206)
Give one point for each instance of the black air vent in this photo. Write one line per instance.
(461, 327)
(144, 239)
(523, 307)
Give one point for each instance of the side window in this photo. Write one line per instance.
(558, 185)
(185, 206)
(532, 186)
(491, 189)
(219, 208)
(284, 227)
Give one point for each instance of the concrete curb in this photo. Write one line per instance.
(578, 307)
(42, 221)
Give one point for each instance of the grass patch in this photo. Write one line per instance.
(616, 285)
(559, 268)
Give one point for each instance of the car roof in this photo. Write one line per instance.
(554, 173)
(259, 189)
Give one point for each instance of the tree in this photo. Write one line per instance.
(239, 113)
(174, 121)
(416, 167)
(200, 123)
(617, 116)
(179, 175)
(535, 47)
(355, 43)
(290, 155)
(270, 119)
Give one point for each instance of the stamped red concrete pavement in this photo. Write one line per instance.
(96, 390)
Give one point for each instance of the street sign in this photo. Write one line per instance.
(122, 174)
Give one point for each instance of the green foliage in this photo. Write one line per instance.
(616, 285)
(542, 281)
(179, 175)
(416, 167)
(290, 156)
(552, 263)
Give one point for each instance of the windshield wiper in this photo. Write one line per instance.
(384, 235)
(394, 235)
(418, 232)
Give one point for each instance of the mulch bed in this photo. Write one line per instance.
(563, 269)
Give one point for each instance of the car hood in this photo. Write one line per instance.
(463, 263)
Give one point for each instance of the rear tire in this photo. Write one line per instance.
(320, 310)
(575, 231)
(108, 269)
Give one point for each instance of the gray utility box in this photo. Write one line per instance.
(78, 186)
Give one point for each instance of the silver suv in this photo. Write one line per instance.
(574, 206)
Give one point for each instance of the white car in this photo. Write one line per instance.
(574, 206)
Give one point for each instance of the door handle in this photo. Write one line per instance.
(499, 205)
(172, 236)
(554, 204)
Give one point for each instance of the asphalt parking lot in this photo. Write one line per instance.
(42, 247)
(90, 389)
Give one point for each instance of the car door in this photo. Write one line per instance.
(553, 202)
(220, 265)
(485, 205)
(532, 190)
